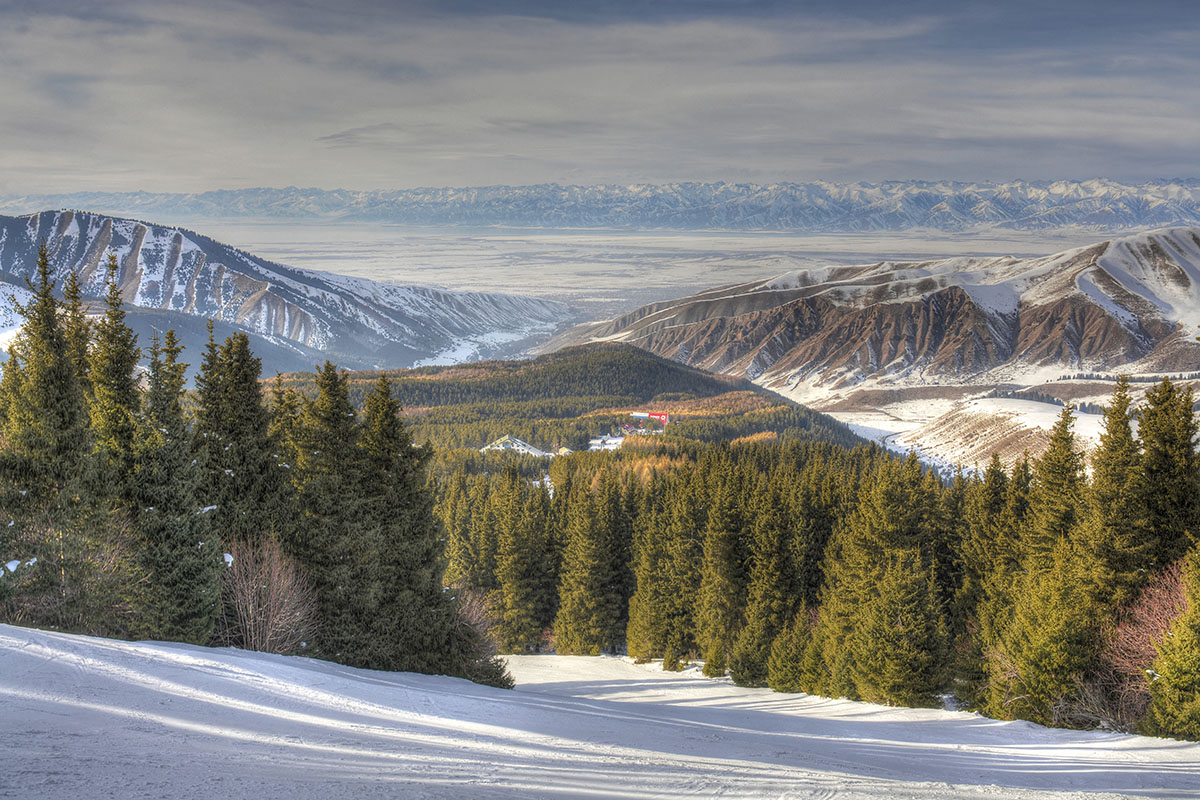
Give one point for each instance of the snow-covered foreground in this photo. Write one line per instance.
(90, 718)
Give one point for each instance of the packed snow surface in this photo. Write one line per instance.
(84, 717)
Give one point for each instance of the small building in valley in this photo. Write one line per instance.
(606, 442)
(514, 445)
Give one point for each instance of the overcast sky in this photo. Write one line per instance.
(369, 94)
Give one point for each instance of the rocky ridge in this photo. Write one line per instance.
(172, 272)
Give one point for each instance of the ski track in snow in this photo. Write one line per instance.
(93, 718)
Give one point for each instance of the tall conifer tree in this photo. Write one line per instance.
(46, 432)
(683, 528)
(587, 619)
(455, 512)
(395, 547)
(114, 398)
(1056, 500)
(1115, 543)
(646, 632)
(772, 587)
(521, 567)
(897, 514)
(722, 602)
(328, 482)
(47, 478)
(900, 644)
(1171, 471)
(180, 554)
(243, 478)
(1045, 651)
(76, 328)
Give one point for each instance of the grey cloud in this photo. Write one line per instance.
(69, 89)
(193, 98)
(549, 128)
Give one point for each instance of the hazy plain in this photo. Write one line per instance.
(602, 273)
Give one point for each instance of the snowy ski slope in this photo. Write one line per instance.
(93, 718)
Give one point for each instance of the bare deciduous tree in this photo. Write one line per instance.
(1117, 693)
(266, 603)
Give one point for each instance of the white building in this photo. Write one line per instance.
(513, 444)
(606, 443)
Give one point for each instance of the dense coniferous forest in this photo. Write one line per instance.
(299, 526)
(1032, 592)
(351, 516)
(567, 397)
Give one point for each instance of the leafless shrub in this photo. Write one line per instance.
(267, 604)
(475, 609)
(1135, 638)
(1120, 690)
(475, 654)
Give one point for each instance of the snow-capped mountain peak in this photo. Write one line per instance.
(360, 322)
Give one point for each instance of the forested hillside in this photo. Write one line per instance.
(567, 397)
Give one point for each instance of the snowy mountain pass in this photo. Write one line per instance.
(85, 717)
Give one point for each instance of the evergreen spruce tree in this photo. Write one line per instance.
(721, 605)
(988, 546)
(983, 538)
(1047, 648)
(772, 588)
(284, 421)
(114, 399)
(46, 433)
(47, 481)
(1017, 498)
(789, 652)
(485, 529)
(949, 528)
(620, 499)
(454, 509)
(683, 526)
(77, 329)
(328, 480)
(243, 478)
(1039, 651)
(521, 567)
(900, 645)
(541, 523)
(896, 513)
(812, 507)
(181, 557)
(998, 594)
(587, 620)
(1171, 471)
(645, 635)
(1116, 548)
(1175, 674)
(1056, 500)
(396, 547)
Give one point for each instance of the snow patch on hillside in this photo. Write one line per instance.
(965, 433)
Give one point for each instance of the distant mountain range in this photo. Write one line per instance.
(1131, 303)
(172, 277)
(1100, 205)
